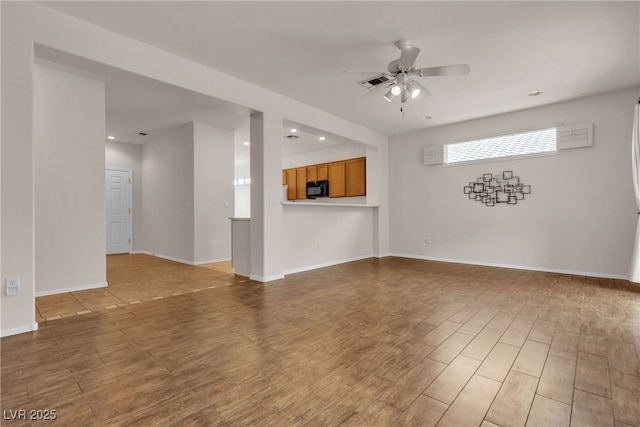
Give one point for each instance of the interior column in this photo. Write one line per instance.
(266, 197)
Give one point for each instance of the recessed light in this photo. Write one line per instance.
(294, 130)
(322, 138)
(111, 137)
(426, 117)
(246, 143)
(535, 93)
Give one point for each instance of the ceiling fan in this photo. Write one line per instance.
(401, 76)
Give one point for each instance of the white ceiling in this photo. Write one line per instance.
(299, 49)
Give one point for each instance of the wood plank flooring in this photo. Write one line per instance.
(133, 279)
(370, 343)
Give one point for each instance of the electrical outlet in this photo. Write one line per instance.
(427, 240)
(12, 286)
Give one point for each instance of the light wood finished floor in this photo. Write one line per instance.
(133, 279)
(371, 343)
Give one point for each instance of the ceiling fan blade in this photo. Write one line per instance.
(445, 70)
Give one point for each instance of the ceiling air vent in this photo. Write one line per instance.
(375, 81)
(292, 136)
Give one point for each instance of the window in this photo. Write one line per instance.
(532, 142)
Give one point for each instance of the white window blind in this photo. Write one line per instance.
(537, 141)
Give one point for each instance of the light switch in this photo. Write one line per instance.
(227, 204)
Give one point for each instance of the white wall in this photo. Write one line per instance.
(579, 218)
(326, 155)
(69, 156)
(213, 186)
(129, 156)
(26, 23)
(167, 196)
(318, 236)
(267, 249)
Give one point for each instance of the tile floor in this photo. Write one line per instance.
(389, 342)
(133, 279)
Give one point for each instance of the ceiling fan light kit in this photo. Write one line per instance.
(400, 77)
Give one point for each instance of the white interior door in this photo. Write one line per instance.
(118, 203)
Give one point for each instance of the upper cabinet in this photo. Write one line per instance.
(312, 173)
(356, 177)
(323, 172)
(301, 192)
(347, 178)
(337, 179)
(292, 182)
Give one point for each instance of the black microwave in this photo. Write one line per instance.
(317, 189)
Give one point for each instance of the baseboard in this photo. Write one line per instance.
(384, 255)
(326, 264)
(265, 279)
(515, 267)
(19, 330)
(182, 261)
(209, 261)
(72, 289)
(170, 258)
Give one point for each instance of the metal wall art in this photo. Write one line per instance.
(501, 187)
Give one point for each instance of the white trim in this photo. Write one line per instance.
(19, 330)
(170, 258)
(515, 267)
(209, 261)
(108, 168)
(265, 279)
(182, 261)
(384, 255)
(72, 289)
(326, 264)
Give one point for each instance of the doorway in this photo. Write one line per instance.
(118, 210)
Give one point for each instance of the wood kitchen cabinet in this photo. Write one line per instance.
(312, 173)
(323, 172)
(337, 179)
(301, 190)
(356, 182)
(347, 178)
(292, 190)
